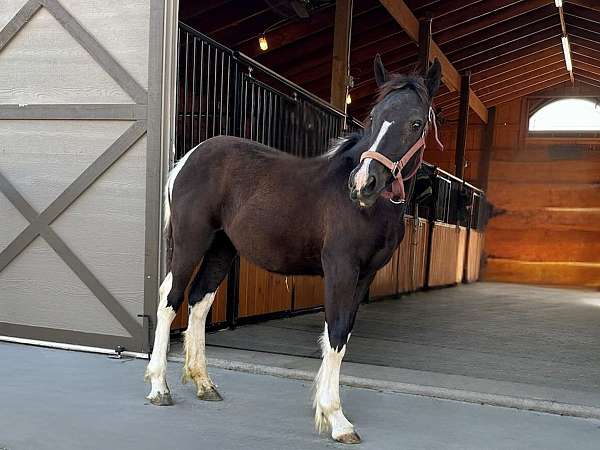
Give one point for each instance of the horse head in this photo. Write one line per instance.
(398, 125)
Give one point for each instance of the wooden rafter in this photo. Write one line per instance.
(500, 29)
(503, 49)
(519, 93)
(341, 53)
(459, 30)
(488, 95)
(406, 19)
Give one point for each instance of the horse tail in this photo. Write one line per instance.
(167, 209)
(168, 229)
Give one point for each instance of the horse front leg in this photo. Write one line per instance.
(343, 293)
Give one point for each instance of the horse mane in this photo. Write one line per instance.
(343, 144)
(400, 81)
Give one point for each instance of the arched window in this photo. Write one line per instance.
(569, 114)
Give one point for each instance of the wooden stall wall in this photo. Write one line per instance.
(448, 244)
(446, 159)
(406, 270)
(549, 190)
(475, 244)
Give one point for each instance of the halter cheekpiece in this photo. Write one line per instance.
(397, 194)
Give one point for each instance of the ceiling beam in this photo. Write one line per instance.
(592, 45)
(514, 47)
(505, 40)
(527, 48)
(584, 71)
(531, 89)
(517, 63)
(586, 60)
(593, 70)
(341, 54)
(590, 4)
(499, 91)
(510, 78)
(409, 23)
(504, 28)
(458, 30)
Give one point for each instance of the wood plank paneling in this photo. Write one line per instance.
(309, 292)
(540, 244)
(550, 172)
(548, 189)
(543, 272)
(406, 270)
(218, 311)
(262, 292)
(525, 195)
(447, 242)
(474, 253)
(412, 260)
(461, 254)
(385, 282)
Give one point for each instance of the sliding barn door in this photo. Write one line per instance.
(80, 169)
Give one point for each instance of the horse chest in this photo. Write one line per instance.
(385, 238)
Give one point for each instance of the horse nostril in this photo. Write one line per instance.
(370, 185)
(353, 194)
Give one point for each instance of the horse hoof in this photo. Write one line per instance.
(162, 399)
(210, 395)
(349, 438)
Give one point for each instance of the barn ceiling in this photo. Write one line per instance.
(512, 48)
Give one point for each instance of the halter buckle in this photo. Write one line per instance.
(396, 169)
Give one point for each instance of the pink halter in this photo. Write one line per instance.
(396, 167)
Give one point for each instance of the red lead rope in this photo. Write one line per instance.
(397, 194)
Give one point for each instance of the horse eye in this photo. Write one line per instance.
(416, 125)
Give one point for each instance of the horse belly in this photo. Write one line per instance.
(277, 250)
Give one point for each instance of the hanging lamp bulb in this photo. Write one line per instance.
(262, 42)
(348, 99)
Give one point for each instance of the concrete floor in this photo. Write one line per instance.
(55, 399)
(536, 336)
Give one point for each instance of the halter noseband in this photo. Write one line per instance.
(397, 166)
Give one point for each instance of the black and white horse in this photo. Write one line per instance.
(339, 216)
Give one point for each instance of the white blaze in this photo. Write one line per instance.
(362, 175)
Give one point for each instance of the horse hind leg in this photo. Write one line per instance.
(156, 371)
(171, 293)
(213, 270)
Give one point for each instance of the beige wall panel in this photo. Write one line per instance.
(8, 9)
(112, 211)
(44, 64)
(42, 157)
(121, 27)
(11, 222)
(39, 289)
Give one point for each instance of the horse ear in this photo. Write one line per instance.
(381, 75)
(433, 78)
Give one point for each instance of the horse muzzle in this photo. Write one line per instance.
(365, 186)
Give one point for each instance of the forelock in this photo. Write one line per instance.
(399, 82)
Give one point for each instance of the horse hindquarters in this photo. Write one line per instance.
(189, 245)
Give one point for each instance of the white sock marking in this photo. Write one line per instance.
(328, 408)
(195, 359)
(157, 367)
(362, 175)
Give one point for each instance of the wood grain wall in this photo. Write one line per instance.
(550, 189)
